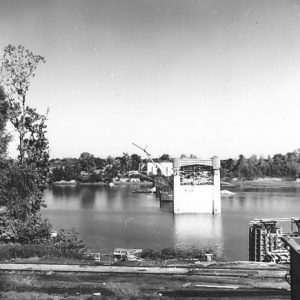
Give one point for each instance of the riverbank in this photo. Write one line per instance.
(265, 183)
(248, 280)
(235, 183)
(74, 183)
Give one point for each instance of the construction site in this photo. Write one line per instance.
(277, 241)
(194, 186)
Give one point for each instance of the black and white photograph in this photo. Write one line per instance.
(149, 149)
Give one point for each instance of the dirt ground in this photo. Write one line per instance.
(220, 281)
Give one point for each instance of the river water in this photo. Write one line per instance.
(112, 217)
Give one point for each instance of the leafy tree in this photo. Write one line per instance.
(262, 167)
(70, 244)
(4, 137)
(293, 165)
(87, 162)
(100, 163)
(57, 174)
(135, 162)
(24, 180)
(124, 163)
(165, 157)
(69, 169)
(279, 166)
(227, 167)
(17, 69)
(95, 177)
(112, 170)
(34, 229)
(240, 166)
(110, 160)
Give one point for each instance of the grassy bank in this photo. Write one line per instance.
(265, 183)
(49, 253)
(65, 245)
(41, 252)
(169, 253)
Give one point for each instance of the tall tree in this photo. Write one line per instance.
(26, 178)
(18, 67)
(124, 163)
(4, 137)
(135, 161)
(3, 145)
(87, 162)
(165, 157)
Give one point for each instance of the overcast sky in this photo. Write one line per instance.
(205, 77)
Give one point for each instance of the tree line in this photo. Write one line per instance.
(88, 168)
(94, 169)
(278, 165)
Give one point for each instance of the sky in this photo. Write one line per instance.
(218, 77)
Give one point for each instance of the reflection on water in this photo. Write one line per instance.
(65, 192)
(198, 230)
(87, 198)
(167, 206)
(111, 217)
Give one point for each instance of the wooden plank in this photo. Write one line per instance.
(226, 293)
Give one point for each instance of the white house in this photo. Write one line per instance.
(166, 168)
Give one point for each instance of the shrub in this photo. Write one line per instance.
(169, 253)
(69, 244)
(9, 251)
(33, 230)
(65, 245)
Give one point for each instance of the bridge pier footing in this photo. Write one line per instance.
(197, 198)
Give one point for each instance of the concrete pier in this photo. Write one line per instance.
(197, 196)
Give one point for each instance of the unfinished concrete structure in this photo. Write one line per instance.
(265, 238)
(197, 186)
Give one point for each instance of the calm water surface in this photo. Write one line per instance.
(111, 217)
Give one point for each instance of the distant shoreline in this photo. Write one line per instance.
(74, 183)
(236, 183)
(261, 183)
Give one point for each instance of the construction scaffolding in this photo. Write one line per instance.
(265, 243)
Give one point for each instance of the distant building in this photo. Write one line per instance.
(166, 168)
(124, 179)
(84, 173)
(97, 171)
(132, 173)
(136, 180)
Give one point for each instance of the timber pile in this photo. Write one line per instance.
(232, 279)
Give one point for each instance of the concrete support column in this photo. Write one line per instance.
(217, 186)
(217, 193)
(176, 167)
